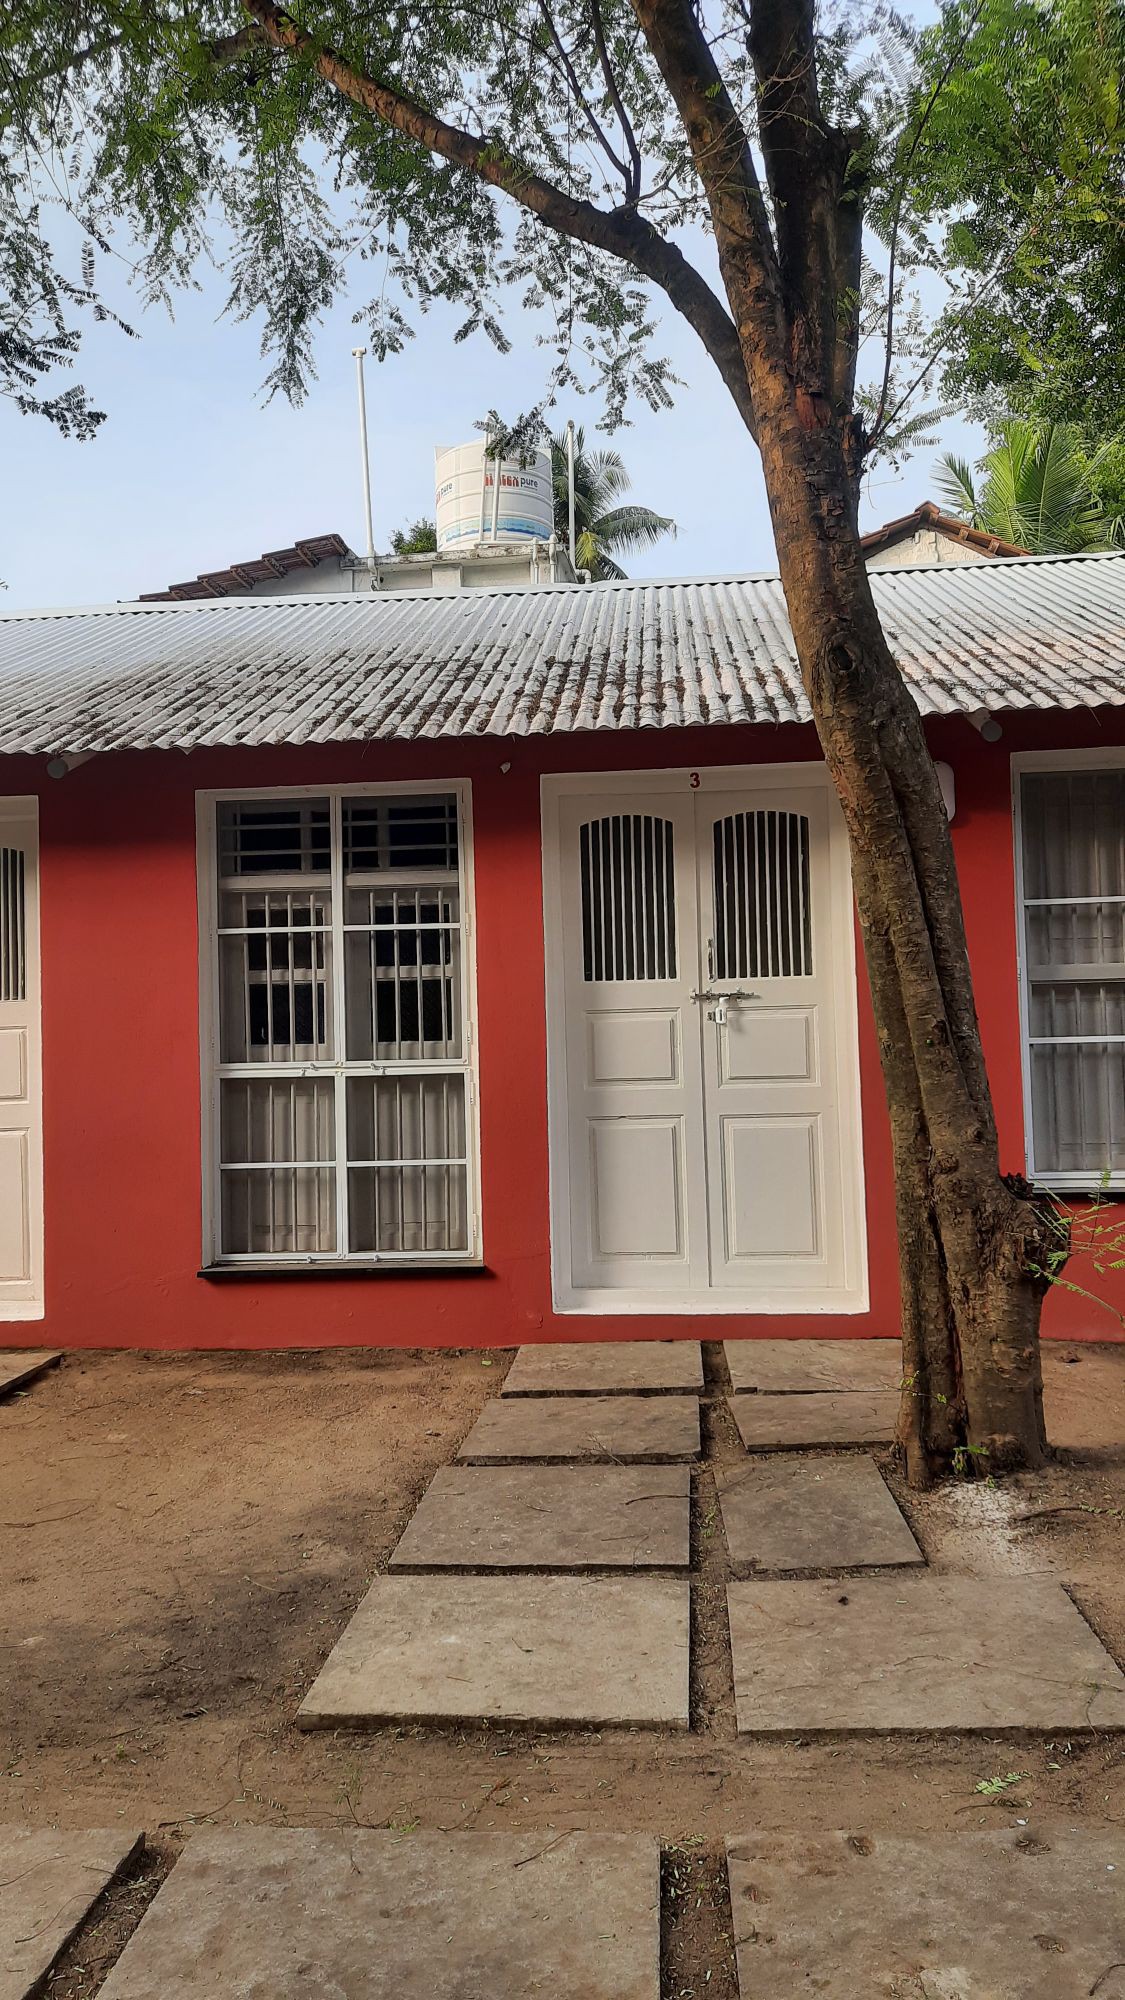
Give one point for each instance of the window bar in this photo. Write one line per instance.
(770, 818)
(445, 1147)
(423, 1175)
(397, 961)
(750, 837)
(372, 973)
(785, 895)
(585, 894)
(799, 964)
(736, 869)
(246, 981)
(668, 838)
(661, 901)
(335, 959)
(419, 982)
(601, 836)
(291, 974)
(642, 832)
(400, 1094)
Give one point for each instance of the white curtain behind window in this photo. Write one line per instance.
(1074, 942)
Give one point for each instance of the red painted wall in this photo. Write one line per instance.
(121, 1066)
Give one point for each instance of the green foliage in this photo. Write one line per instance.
(1019, 181)
(987, 149)
(602, 523)
(419, 539)
(1035, 490)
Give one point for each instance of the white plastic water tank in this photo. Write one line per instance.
(467, 507)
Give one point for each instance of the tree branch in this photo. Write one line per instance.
(817, 200)
(620, 232)
(721, 153)
(633, 186)
(896, 222)
(571, 75)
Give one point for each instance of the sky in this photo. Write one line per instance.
(191, 472)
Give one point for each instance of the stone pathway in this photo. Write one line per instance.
(553, 1651)
(49, 1882)
(633, 1428)
(604, 1367)
(798, 1366)
(283, 1914)
(976, 1916)
(783, 1423)
(19, 1366)
(918, 1653)
(264, 1914)
(887, 1653)
(812, 1513)
(551, 1517)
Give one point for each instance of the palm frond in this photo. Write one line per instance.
(953, 478)
(632, 528)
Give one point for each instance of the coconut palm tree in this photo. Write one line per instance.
(1035, 490)
(601, 524)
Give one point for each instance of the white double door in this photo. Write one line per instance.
(21, 1138)
(706, 1116)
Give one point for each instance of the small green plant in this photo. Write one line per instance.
(965, 1458)
(993, 1788)
(1094, 1230)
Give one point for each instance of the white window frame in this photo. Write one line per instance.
(212, 1070)
(1109, 759)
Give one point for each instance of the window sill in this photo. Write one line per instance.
(451, 1267)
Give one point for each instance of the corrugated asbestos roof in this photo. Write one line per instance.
(1044, 632)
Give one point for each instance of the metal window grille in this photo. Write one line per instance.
(763, 911)
(13, 924)
(627, 877)
(344, 1102)
(1073, 841)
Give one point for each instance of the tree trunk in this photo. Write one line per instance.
(973, 1245)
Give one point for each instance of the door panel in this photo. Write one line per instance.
(637, 1184)
(21, 1211)
(634, 1047)
(769, 1045)
(638, 1215)
(771, 1190)
(769, 1081)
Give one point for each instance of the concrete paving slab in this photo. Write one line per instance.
(918, 1653)
(20, 1365)
(794, 1366)
(49, 1882)
(604, 1367)
(547, 1650)
(355, 1915)
(545, 1517)
(812, 1513)
(590, 1427)
(784, 1423)
(1009, 1915)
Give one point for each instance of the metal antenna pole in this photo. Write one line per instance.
(570, 494)
(364, 456)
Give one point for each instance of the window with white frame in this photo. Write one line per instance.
(1072, 881)
(342, 1100)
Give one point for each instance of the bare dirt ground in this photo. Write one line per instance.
(184, 1538)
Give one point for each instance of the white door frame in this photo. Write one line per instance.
(753, 780)
(21, 1070)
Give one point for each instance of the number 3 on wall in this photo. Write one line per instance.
(693, 780)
